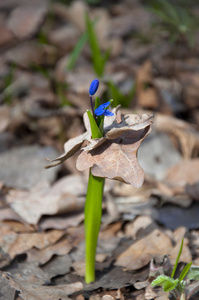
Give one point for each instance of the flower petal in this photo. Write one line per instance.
(101, 110)
(108, 113)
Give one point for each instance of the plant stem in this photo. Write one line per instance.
(93, 213)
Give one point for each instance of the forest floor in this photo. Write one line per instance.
(42, 100)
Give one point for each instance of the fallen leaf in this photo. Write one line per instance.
(141, 222)
(45, 200)
(173, 216)
(115, 161)
(184, 173)
(140, 253)
(157, 155)
(70, 147)
(7, 213)
(184, 133)
(24, 21)
(34, 291)
(31, 161)
(14, 244)
(65, 37)
(31, 53)
(186, 255)
(62, 221)
(4, 118)
(7, 292)
(58, 265)
(146, 91)
(18, 226)
(7, 36)
(42, 256)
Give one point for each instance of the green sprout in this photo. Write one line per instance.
(119, 97)
(8, 80)
(176, 19)
(177, 286)
(98, 58)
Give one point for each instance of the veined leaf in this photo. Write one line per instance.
(166, 282)
(170, 284)
(159, 280)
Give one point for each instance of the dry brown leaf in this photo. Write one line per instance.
(31, 53)
(113, 156)
(42, 256)
(114, 160)
(4, 118)
(62, 197)
(186, 253)
(70, 147)
(184, 173)
(61, 221)
(184, 133)
(140, 223)
(146, 92)
(35, 291)
(140, 253)
(17, 226)
(14, 244)
(7, 292)
(73, 13)
(7, 213)
(25, 20)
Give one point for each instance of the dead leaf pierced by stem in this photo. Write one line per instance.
(113, 156)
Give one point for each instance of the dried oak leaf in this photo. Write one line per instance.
(113, 156)
(25, 21)
(186, 136)
(32, 289)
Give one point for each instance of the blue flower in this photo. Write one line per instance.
(93, 87)
(102, 110)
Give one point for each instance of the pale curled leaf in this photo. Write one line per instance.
(129, 122)
(29, 289)
(70, 147)
(118, 124)
(73, 145)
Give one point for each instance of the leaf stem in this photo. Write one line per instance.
(92, 108)
(93, 213)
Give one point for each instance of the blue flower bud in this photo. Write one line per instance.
(93, 87)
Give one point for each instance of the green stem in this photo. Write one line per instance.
(93, 213)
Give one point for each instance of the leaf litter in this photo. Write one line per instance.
(41, 213)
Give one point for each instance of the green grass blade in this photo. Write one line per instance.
(77, 50)
(98, 62)
(97, 102)
(177, 260)
(185, 271)
(115, 93)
